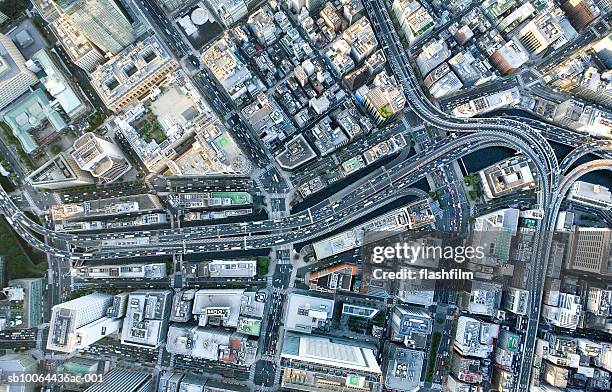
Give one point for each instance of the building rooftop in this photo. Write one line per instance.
(335, 353)
(146, 319)
(305, 313)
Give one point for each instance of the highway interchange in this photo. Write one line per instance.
(381, 187)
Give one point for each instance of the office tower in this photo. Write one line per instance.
(580, 12)
(590, 250)
(17, 363)
(509, 57)
(146, 320)
(229, 11)
(592, 195)
(385, 99)
(80, 322)
(130, 75)
(60, 172)
(103, 159)
(31, 300)
(15, 77)
(103, 22)
(48, 9)
(313, 363)
(124, 380)
(410, 325)
(81, 51)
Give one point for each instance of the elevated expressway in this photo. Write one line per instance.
(387, 185)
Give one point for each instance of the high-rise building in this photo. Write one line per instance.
(33, 292)
(515, 300)
(414, 19)
(132, 74)
(385, 99)
(318, 364)
(580, 12)
(60, 172)
(592, 195)
(17, 363)
(15, 77)
(410, 325)
(589, 250)
(124, 380)
(509, 57)
(103, 159)
(80, 322)
(103, 22)
(564, 313)
(81, 51)
(229, 11)
(146, 319)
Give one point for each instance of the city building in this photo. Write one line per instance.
(305, 313)
(232, 268)
(509, 57)
(103, 159)
(330, 279)
(60, 172)
(106, 207)
(465, 369)
(182, 302)
(229, 11)
(384, 98)
(212, 344)
(81, 51)
(33, 120)
(411, 326)
(18, 363)
(506, 349)
(564, 313)
(133, 73)
(402, 369)
(591, 195)
(433, 54)
(124, 380)
(15, 78)
(488, 103)
(580, 12)
(320, 364)
(541, 32)
(512, 175)
(262, 25)
(361, 38)
(190, 200)
(516, 300)
(146, 320)
(589, 250)
(496, 229)
(414, 19)
(231, 72)
(64, 93)
(103, 22)
(80, 322)
(359, 311)
(484, 298)
(599, 302)
(27, 295)
(122, 271)
(219, 307)
(584, 118)
(474, 338)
